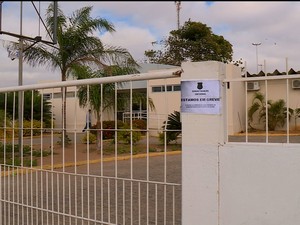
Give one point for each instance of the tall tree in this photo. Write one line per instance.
(194, 42)
(76, 46)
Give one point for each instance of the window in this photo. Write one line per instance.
(176, 88)
(70, 94)
(171, 87)
(47, 96)
(158, 88)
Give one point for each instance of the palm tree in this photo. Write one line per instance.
(76, 47)
(100, 101)
(277, 111)
(172, 126)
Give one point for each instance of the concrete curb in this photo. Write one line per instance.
(84, 162)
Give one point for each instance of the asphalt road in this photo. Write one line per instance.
(89, 196)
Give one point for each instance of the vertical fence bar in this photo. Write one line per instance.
(246, 103)
(101, 151)
(287, 105)
(165, 155)
(88, 155)
(42, 147)
(131, 157)
(116, 151)
(147, 158)
(75, 159)
(52, 159)
(31, 154)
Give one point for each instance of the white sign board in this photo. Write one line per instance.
(201, 96)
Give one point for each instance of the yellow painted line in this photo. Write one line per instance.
(84, 162)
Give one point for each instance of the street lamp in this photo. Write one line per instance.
(256, 44)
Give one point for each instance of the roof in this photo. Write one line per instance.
(275, 73)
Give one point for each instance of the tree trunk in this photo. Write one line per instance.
(99, 132)
(64, 136)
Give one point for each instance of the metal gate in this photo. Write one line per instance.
(54, 173)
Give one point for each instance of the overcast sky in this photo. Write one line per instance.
(273, 24)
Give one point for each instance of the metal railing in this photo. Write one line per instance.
(272, 89)
(83, 178)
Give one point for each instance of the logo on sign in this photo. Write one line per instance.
(200, 85)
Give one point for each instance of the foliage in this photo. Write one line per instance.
(15, 160)
(26, 162)
(297, 115)
(101, 98)
(91, 138)
(108, 127)
(140, 124)
(64, 140)
(195, 42)
(36, 126)
(277, 111)
(76, 47)
(4, 118)
(172, 128)
(128, 136)
(33, 101)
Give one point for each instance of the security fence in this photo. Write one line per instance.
(52, 173)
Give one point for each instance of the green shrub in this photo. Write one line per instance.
(36, 125)
(125, 135)
(17, 162)
(108, 128)
(140, 124)
(92, 138)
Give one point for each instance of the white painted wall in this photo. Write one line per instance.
(259, 184)
(202, 135)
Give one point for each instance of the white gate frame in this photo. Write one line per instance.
(59, 195)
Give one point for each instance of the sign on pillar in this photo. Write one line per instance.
(200, 96)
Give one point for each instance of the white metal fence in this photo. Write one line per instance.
(50, 178)
(272, 122)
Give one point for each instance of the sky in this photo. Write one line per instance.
(265, 35)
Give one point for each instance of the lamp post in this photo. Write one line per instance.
(256, 45)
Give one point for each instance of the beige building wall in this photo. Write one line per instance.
(278, 89)
(166, 102)
(75, 114)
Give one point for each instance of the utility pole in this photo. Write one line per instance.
(256, 45)
(178, 7)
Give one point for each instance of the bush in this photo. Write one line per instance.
(125, 135)
(36, 125)
(108, 129)
(92, 138)
(140, 124)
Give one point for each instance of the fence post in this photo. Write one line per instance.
(203, 131)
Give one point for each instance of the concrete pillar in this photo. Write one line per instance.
(203, 133)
